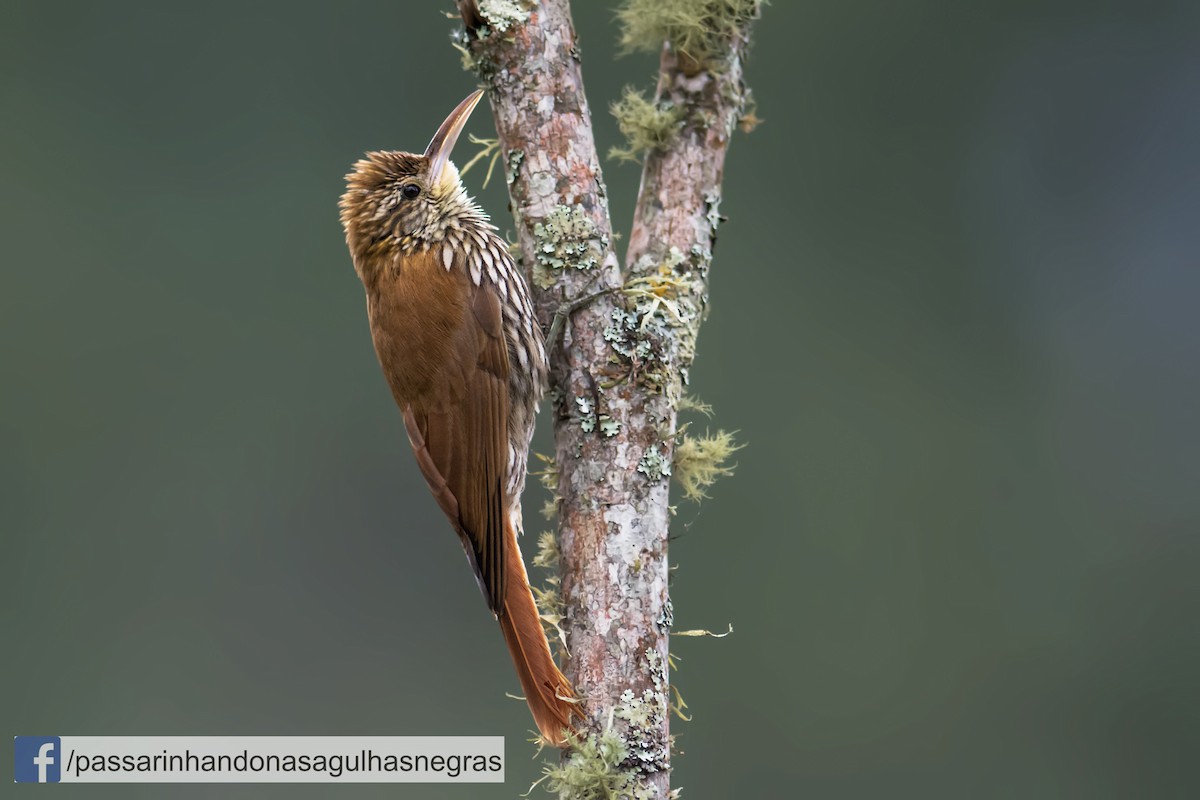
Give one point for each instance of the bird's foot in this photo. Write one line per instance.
(564, 312)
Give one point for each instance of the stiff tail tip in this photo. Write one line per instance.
(547, 691)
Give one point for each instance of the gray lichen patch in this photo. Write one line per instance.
(645, 716)
(658, 670)
(630, 339)
(646, 125)
(513, 166)
(712, 210)
(697, 28)
(587, 414)
(666, 617)
(639, 346)
(656, 335)
(566, 237)
(590, 419)
(700, 460)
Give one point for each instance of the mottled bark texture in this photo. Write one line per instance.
(618, 371)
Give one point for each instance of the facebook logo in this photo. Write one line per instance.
(37, 759)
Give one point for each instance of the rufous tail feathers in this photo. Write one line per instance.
(546, 689)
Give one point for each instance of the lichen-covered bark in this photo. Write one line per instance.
(678, 208)
(616, 374)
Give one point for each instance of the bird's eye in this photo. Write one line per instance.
(410, 191)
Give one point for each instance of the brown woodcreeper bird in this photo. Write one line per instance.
(460, 346)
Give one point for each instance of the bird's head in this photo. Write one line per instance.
(408, 200)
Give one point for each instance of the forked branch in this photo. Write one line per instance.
(618, 376)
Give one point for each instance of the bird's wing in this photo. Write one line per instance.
(461, 444)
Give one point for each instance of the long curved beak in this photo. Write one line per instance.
(443, 141)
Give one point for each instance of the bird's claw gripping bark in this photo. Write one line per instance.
(564, 312)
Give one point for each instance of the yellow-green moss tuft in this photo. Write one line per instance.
(548, 474)
(700, 460)
(547, 554)
(549, 602)
(691, 403)
(644, 124)
(698, 28)
(552, 611)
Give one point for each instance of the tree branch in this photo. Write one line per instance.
(617, 378)
(678, 208)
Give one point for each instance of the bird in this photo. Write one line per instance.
(460, 346)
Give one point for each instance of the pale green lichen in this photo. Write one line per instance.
(594, 771)
(612, 764)
(609, 427)
(712, 210)
(629, 337)
(653, 464)
(566, 237)
(667, 290)
(646, 125)
(515, 157)
(587, 414)
(500, 15)
(698, 28)
(645, 715)
(657, 334)
(658, 674)
(700, 460)
(589, 420)
(701, 255)
(666, 617)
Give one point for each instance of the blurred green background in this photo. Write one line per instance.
(953, 316)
